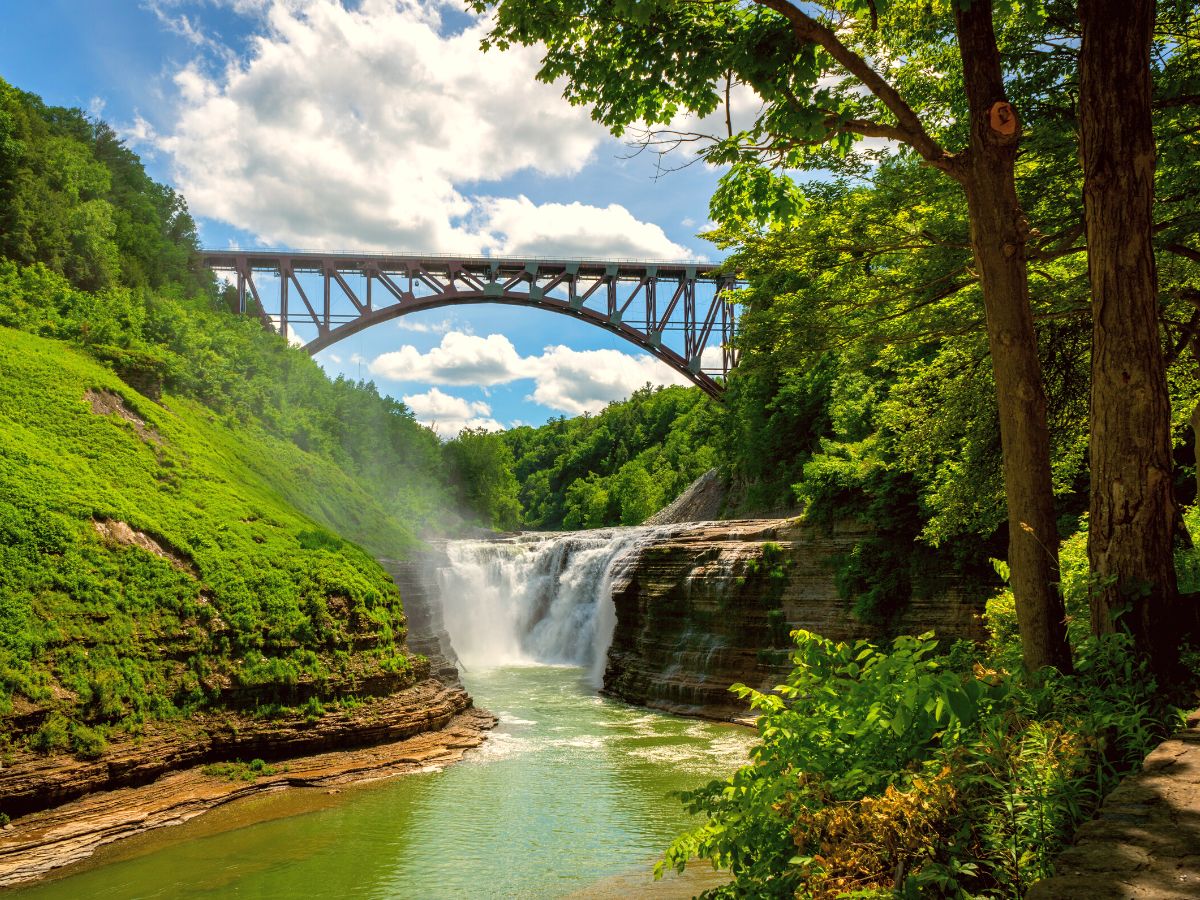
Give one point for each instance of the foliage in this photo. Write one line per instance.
(98, 632)
(239, 771)
(74, 198)
(179, 488)
(618, 467)
(480, 464)
(924, 773)
(933, 775)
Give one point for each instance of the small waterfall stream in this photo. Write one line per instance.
(536, 598)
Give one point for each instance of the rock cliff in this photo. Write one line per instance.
(713, 603)
(416, 578)
(32, 781)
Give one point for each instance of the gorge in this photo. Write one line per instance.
(666, 616)
(662, 616)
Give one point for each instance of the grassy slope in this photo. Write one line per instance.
(106, 634)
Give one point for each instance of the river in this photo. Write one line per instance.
(568, 796)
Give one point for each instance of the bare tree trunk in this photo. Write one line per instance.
(1132, 509)
(998, 233)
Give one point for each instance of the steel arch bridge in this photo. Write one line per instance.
(676, 311)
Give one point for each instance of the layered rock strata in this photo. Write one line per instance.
(712, 603)
(417, 579)
(64, 807)
(38, 843)
(30, 782)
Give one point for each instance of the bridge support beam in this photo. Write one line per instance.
(619, 296)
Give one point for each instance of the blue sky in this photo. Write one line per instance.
(376, 124)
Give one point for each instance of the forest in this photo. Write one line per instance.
(969, 233)
(971, 321)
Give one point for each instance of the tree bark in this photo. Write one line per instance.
(1194, 420)
(998, 233)
(1130, 537)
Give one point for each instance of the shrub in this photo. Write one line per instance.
(52, 735)
(928, 775)
(87, 742)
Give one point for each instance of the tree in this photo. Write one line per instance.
(1130, 537)
(481, 472)
(823, 80)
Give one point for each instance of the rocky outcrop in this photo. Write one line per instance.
(1145, 842)
(711, 604)
(32, 781)
(36, 844)
(701, 501)
(417, 579)
(378, 723)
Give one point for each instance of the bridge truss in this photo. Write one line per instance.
(679, 312)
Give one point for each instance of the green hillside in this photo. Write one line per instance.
(250, 594)
(178, 487)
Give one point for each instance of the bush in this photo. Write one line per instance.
(931, 775)
(52, 735)
(87, 742)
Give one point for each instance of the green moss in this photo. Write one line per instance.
(248, 590)
(238, 770)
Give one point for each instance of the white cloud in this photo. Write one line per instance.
(366, 128)
(408, 324)
(524, 228)
(571, 381)
(579, 381)
(292, 337)
(459, 359)
(448, 415)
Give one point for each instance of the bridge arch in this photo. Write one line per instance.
(674, 311)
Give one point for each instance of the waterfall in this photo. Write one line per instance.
(535, 598)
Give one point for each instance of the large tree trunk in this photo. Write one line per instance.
(1194, 420)
(1132, 510)
(998, 233)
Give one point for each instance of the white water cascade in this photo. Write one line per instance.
(536, 597)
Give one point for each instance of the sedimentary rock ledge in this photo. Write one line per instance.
(713, 603)
(1145, 843)
(37, 843)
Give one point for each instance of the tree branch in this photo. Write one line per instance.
(1177, 100)
(910, 129)
(1184, 251)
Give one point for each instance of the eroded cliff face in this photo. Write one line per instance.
(376, 725)
(713, 603)
(30, 782)
(416, 578)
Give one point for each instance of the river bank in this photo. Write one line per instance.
(171, 773)
(568, 795)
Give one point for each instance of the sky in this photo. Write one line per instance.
(380, 125)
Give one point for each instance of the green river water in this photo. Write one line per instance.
(568, 797)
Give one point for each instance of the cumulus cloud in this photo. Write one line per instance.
(367, 128)
(459, 359)
(414, 325)
(447, 414)
(585, 381)
(292, 337)
(570, 381)
(524, 228)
